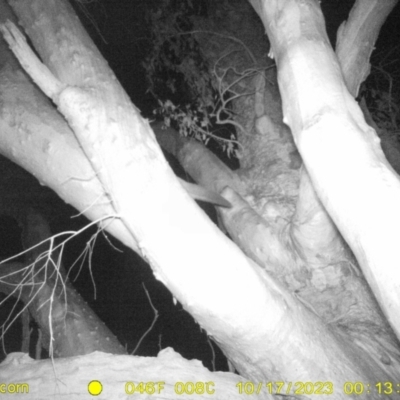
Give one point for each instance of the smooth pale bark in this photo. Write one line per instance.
(202, 268)
(356, 39)
(74, 181)
(33, 144)
(68, 378)
(341, 152)
(169, 230)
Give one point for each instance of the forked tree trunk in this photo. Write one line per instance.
(266, 331)
(361, 191)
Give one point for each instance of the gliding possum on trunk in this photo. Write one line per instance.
(166, 138)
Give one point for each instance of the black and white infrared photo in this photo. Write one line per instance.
(199, 199)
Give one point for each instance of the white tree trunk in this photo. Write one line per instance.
(121, 377)
(186, 251)
(342, 153)
(252, 317)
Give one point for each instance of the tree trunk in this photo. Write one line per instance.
(268, 332)
(326, 122)
(120, 376)
(67, 324)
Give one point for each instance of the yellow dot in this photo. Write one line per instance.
(95, 388)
